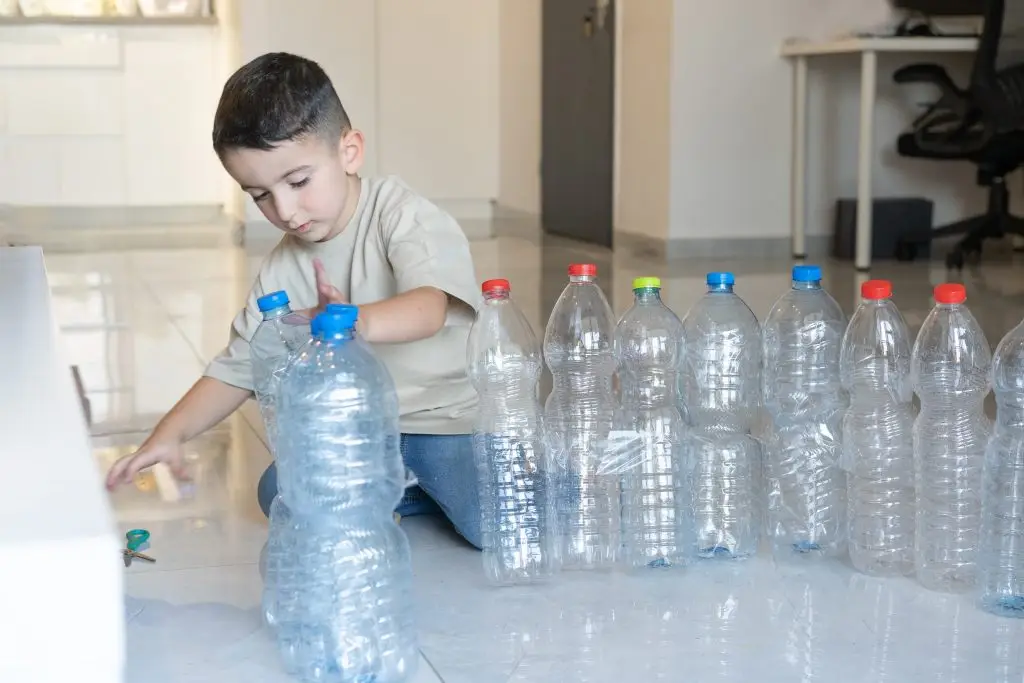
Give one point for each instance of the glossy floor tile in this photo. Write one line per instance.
(140, 320)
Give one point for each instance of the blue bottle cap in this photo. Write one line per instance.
(721, 278)
(269, 302)
(806, 273)
(331, 322)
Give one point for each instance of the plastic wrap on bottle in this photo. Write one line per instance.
(721, 381)
(803, 395)
(517, 507)
(649, 454)
(950, 374)
(344, 592)
(578, 415)
(878, 445)
(1001, 555)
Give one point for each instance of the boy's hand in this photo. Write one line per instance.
(326, 293)
(169, 451)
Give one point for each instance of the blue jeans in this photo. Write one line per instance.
(447, 477)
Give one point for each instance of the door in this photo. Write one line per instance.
(578, 119)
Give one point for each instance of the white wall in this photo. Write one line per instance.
(729, 131)
(519, 104)
(108, 116)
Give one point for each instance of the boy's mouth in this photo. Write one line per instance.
(304, 227)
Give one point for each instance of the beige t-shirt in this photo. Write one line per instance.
(395, 242)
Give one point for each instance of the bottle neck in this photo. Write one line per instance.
(580, 279)
(337, 337)
(647, 295)
(278, 312)
(806, 286)
(720, 288)
(496, 295)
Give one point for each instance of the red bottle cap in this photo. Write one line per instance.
(580, 269)
(876, 289)
(950, 293)
(497, 285)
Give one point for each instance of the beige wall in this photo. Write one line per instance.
(519, 103)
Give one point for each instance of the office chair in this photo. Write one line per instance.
(983, 124)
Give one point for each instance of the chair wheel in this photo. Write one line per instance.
(906, 251)
(955, 260)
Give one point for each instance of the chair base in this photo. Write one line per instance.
(996, 223)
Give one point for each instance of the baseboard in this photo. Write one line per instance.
(22, 218)
(644, 246)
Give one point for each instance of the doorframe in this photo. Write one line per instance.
(619, 14)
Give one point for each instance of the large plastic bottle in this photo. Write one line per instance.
(878, 435)
(656, 505)
(804, 397)
(578, 415)
(345, 601)
(721, 380)
(950, 374)
(1001, 556)
(516, 479)
(276, 339)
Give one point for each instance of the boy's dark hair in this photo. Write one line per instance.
(274, 98)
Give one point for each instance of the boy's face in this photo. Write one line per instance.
(304, 187)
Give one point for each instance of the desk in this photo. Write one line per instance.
(60, 568)
(868, 49)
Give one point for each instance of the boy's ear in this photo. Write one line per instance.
(350, 147)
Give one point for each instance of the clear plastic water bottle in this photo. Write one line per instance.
(803, 395)
(721, 383)
(578, 414)
(1001, 556)
(656, 504)
(345, 610)
(950, 374)
(878, 435)
(276, 339)
(516, 479)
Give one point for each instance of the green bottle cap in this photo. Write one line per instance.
(647, 283)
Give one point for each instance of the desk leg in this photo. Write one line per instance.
(866, 157)
(798, 169)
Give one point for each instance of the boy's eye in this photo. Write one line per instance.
(300, 183)
(260, 197)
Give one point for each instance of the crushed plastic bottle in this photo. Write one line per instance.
(721, 382)
(803, 395)
(516, 479)
(878, 435)
(578, 415)
(656, 503)
(950, 374)
(1001, 556)
(345, 610)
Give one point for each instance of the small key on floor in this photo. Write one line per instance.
(135, 539)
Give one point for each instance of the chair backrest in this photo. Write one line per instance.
(997, 78)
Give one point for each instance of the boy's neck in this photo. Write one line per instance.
(355, 186)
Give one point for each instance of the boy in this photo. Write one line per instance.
(281, 132)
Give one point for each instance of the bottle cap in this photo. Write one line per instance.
(340, 308)
(721, 278)
(335, 323)
(950, 293)
(647, 283)
(586, 269)
(876, 289)
(496, 285)
(806, 273)
(269, 302)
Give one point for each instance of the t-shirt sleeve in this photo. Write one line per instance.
(427, 248)
(233, 365)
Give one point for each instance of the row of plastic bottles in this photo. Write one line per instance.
(718, 420)
(337, 572)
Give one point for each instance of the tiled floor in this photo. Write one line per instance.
(140, 323)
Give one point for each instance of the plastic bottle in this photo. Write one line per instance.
(276, 339)
(578, 414)
(345, 599)
(722, 391)
(656, 504)
(878, 441)
(950, 374)
(516, 479)
(803, 395)
(1001, 556)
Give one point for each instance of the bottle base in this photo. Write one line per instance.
(1011, 606)
(951, 581)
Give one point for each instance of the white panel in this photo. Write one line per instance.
(59, 46)
(30, 172)
(63, 102)
(438, 95)
(92, 172)
(170, 97)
